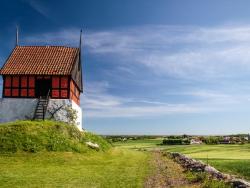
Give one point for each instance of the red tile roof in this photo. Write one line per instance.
(40, 60)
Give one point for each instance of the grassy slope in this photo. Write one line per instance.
(56, 156)
(34, 136)
(234, 159)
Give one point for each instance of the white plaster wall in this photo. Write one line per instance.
(61, 115)
(79, 115)
(12, 109)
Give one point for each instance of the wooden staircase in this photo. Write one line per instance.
(41, 108)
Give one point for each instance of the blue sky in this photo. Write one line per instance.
(150, 67)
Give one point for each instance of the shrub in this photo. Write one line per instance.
(71, 115)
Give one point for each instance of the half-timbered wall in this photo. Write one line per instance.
(19, 86)
(60, 87)
(74, 92)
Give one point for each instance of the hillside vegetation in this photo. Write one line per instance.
(54, 154)
(35, 136)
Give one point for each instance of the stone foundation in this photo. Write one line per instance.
(12, 109)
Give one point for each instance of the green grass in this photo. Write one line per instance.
(233, 159)
(135, 144)
(35, 136)
(54, 154)
(114, 168)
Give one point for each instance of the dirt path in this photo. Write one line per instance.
(166, 173)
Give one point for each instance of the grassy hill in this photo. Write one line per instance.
(54, 154)
(35, 136)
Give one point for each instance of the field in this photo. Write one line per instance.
(54, 154)
(234, 159)
(115, 168)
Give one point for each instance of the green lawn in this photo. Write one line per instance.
(234, 159)
(114, 168)
(55, 154)
(135, 144)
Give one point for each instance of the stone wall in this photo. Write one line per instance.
(198, 166)
(12, 109)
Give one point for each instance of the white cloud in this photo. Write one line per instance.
(179, 51)
(187, 53)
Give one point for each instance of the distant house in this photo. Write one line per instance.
(195, 141)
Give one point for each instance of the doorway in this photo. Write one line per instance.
(43, 86)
